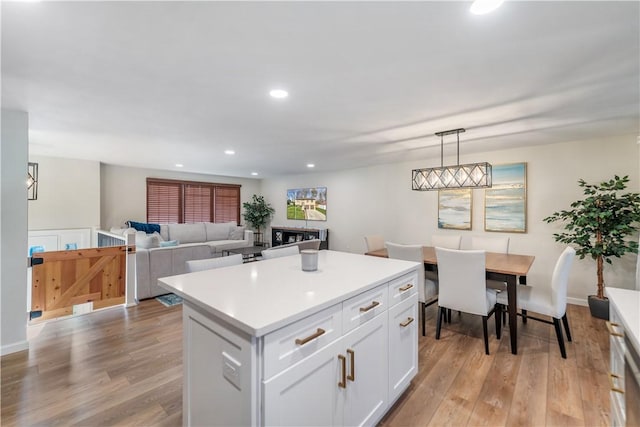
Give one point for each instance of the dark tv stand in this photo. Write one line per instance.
(285, 235)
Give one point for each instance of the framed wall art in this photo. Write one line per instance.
(505, 204)
(454, 209)
(309, 204)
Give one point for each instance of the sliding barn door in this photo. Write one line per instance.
(62, 279)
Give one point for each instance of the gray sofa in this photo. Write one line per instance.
(194, 241)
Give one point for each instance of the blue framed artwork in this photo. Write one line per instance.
(505, 204)
(454, 209)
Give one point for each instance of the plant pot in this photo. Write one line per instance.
(599, 307)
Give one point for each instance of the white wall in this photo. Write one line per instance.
(14, 155)
(68, 194)
(379, 200)
(124, 191)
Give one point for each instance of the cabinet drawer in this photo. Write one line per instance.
(403, 288)
(403, 346)
(364, 307)
(289, 345)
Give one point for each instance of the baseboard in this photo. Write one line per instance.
(14, 348)
(577, 301)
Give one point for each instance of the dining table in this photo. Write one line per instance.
(510, 268)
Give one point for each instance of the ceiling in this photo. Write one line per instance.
(152, 84)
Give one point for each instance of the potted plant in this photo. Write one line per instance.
(598, 226)
(257, 213)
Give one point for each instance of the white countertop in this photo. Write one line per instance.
(627, 303)
(260, 297)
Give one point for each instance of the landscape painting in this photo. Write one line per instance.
(505, 204)
(454, 209)
(309, 204)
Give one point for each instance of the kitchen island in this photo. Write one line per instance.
(266, 343)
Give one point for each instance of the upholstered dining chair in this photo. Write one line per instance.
(277, 252)
(449, 241)
(462, 288)
(548, 300)
(374, 242)
(428, 292)
(492, 244)
(211, 263)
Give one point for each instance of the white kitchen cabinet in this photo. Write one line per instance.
(268, 344)
(341, 384)
(403, 345)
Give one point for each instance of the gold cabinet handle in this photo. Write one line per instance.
(405, 287)
(611, 327)
(316, 334)
(612, 378)
(352, 357)
(406, 322)
(374, 304)
(343, 363)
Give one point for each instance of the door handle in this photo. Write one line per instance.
(374, 304)
(343, 363)
(352, 357)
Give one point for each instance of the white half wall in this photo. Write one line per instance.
(379, 200)
(124, 191)
(68, 194)
(14, 156)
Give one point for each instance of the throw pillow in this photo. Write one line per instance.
(141, 226)
(237, 233)
(146, 241)
(169, 243)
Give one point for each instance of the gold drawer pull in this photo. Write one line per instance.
(612, 331)
(302, 341)
(612, 378)
(405, 287)
(406, 322)
(369, 307)
(343, 363)
(352, 356)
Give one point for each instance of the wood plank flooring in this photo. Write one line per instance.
(124, 367)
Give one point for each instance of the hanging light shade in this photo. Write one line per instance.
(471, 175)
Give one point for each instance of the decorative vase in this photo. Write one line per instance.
(599, 307)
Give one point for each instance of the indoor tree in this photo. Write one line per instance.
(599, 225)
(257, 212)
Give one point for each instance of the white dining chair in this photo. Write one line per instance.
(211, 263)
(374, 242)
(448, 241)
(549, 300)
(492, 244)
(462, 288)
(278, 252)
(428, 292)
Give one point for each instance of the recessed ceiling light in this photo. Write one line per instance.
(279, 93)
(179, 165)
(229, 152)
(254, 173)
(480, 7)
(311, 165)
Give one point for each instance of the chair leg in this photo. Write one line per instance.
(486, 334)
(441, 314)
(524, 316)
(449, 316)
(498, 314)
(423, 308)
(565, 321)
(556, 324)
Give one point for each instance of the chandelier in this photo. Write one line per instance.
(472, 175)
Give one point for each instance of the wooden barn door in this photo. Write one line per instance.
(62, 279)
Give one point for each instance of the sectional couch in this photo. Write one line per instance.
(166, 253)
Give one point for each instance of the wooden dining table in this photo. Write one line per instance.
(510, 268)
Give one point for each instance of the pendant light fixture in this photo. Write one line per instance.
(472, 175)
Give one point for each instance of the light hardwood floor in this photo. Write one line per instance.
(124, 367)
